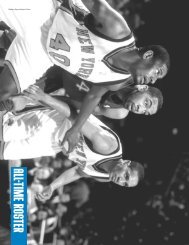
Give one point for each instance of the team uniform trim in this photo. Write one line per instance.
(109, 82)
(13, 72)
(114, 52)
(96, 166)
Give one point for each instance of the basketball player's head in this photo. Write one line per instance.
(153, 64)
(144, 100)
(127, 173)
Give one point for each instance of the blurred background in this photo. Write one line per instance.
(91, 213)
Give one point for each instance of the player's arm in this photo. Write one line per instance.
(7, 84)
(102, 140)
(36, 94)
(2, 39)
(91, 100)
(65, 178)
(6, 38)
(107, 19)
(113, 113)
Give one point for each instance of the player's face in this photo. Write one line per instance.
(149, 75)
(122, 175)
(142, 103)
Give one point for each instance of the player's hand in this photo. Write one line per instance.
(72, 137)
(45, 194)
(35, 93)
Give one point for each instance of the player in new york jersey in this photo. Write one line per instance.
(140, 99)
(100, 48)
(90, 40)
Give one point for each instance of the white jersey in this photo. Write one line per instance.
(26, 57)
(40, 133)
(47, 35)
(75, 46)
(33, 134)
(89, 160)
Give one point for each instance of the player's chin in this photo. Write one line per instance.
(115, 181)
(138, 80)
(112, 178)
(141, 80)
(120, 184)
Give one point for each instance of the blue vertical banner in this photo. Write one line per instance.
(18, 205)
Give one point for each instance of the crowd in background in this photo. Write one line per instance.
(72, 217)
(76, 215)
(162, 215)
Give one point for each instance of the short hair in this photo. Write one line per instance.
(155, 92)
(160, 53)
(136, 166)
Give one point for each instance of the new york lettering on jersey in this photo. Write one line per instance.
(73, 46)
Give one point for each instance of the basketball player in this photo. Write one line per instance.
(39, 133)
(142, 99)
(90, 40)
(113, 104)
(122, 172)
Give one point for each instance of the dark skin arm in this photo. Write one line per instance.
(107, 20)
(110, 23)
(90, 102)
(7, 84)
(6, 38)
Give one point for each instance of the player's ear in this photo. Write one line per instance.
(141, 88)
(148, 54)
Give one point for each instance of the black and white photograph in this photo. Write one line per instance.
(94, 138)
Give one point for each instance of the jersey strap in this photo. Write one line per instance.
(77, 12)
(114, 52)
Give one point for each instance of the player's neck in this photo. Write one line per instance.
(108, 166)
(124, 94)
(124, 59)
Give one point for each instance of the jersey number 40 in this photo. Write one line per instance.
(59, 43)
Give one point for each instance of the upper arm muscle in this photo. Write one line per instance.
(7, 84)
(108, 20)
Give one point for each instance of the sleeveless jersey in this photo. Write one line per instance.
(89, 160)
(57, 78)
(26, 57)
(75, 46)
(40, 132)
(77, 88)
